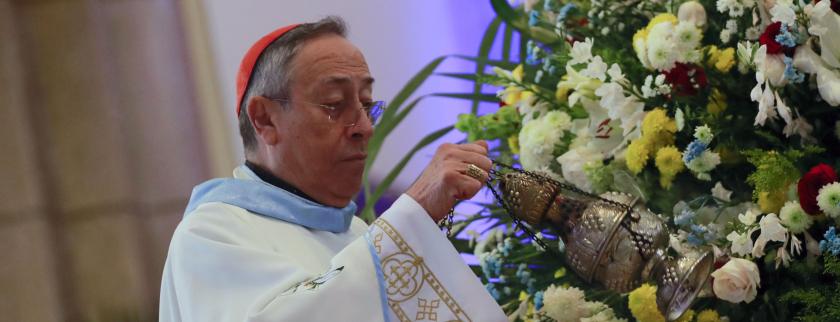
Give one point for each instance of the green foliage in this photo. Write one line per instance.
(822, 302)
(774, 170)
(500, 125)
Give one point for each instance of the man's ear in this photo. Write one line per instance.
(260, 112)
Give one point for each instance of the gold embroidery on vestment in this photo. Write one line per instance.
(406, 274)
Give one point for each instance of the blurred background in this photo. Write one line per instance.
(112, 110)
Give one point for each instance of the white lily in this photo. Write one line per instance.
(828, 78)
(771, 230)
(783, 109)
(581, 52)
(824, 24)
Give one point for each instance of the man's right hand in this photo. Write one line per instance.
(444, 181)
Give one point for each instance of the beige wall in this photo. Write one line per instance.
(103, 134)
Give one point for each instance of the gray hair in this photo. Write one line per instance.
(271, 75)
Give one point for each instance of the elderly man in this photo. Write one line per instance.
(279, 241)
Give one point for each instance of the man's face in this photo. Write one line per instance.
(326, 158)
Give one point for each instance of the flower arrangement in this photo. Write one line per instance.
(721, 115)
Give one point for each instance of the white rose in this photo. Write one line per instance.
(737, 281)
(692, 11)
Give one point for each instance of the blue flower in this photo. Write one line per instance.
(505, 247)
(533, 53)
(791, 73)
(831, 244)
(785, 37)
(564, 11)
(491, 288)
(699, 235)
(694, 150)
(694, 240)
(523, 274)
(538, 300)
(534, 18)
(491, 265)
(531, 288)
(684, 217)
(547, 65)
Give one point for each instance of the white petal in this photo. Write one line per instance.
(784, 110)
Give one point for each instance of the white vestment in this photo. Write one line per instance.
(227, 263)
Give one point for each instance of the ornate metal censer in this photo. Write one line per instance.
(611, 239)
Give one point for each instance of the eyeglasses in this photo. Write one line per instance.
(345, 114)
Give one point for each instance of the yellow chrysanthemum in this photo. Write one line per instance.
(658, 141)
(708, 316)
(665, 181)
(669, 162)
(513, 143)
(637, 155)
(772, 202)
(657, 122)
(662, 17)
(722, 60)
(717, 102)
(688, 316)
(642, 303)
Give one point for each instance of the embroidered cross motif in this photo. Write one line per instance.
(377, 242)
(403, 275)
(427, 310)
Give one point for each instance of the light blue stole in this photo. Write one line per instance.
(262, 198)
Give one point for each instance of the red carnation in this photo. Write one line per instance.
(810, 184)
(768, 38)
(686, 78)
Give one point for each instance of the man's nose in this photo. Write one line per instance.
(362, 129)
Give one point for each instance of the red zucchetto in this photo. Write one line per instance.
(243, 77)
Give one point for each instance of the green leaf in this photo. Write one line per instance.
(480, 97)
(497, 63)
(506, 42)
(370, 201)
(484, 51)
(386, 122)
(517, 19)
(508, 14)
(465, 76)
